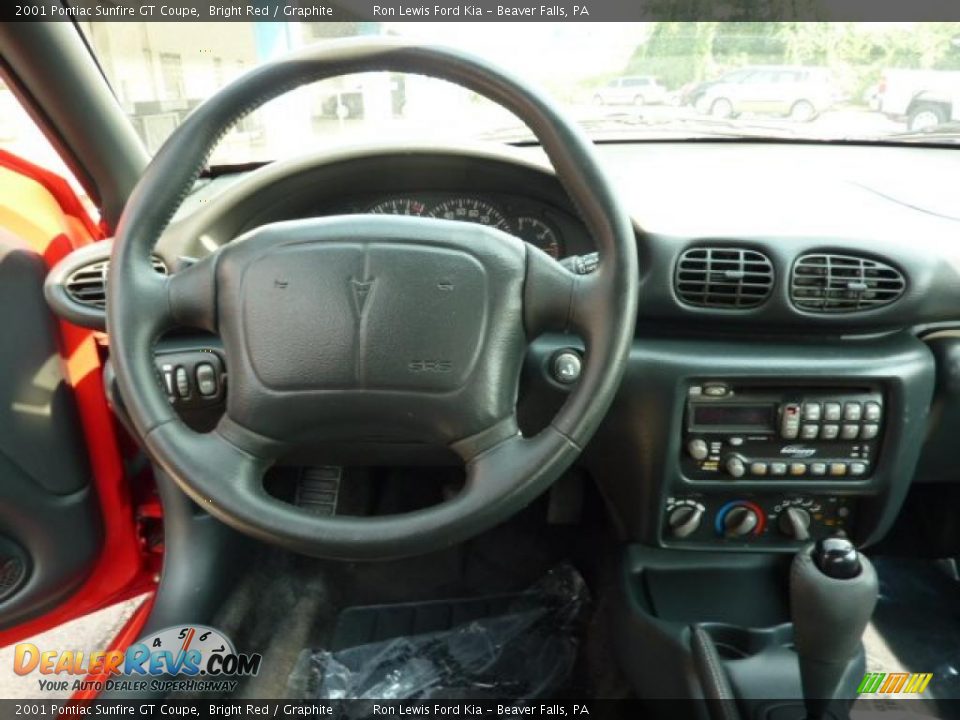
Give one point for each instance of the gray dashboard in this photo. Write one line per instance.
(886, 205)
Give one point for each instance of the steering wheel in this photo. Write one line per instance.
(370, 328)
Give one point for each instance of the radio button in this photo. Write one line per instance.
(698, 449)
(831, 411)
(869, 432)
(858, 468)
(778, 468)
(871, 412)
(735, 467)
(735, 441)
(809, 432)
(852, 411)
(849, 432)
(829, 432)
(758, 468)
(838, 469)
(811, 411)
(818, 468)
(798, 468)
(790, 422)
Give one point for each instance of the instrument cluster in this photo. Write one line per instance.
(532, 222)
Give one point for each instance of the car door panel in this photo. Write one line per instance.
(68, 534)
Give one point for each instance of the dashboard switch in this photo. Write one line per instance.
(183, 382)
(567, 367)
(206, 380)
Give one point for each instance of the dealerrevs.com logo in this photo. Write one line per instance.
(191, 658)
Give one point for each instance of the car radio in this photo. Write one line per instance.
(740, 431)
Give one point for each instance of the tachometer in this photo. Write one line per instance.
(399, 206)
(471, 210)
(537, 232)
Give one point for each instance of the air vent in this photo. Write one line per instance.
(88, 285)
(724, 278)
(843, 283)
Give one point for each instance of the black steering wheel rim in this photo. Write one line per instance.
(223, 470)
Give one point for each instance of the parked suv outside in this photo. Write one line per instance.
(631, 90)
(800, 93)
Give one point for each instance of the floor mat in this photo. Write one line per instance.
(917, 622)
(521, 646)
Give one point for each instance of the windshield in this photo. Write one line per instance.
(660, 80)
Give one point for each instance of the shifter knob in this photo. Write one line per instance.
(833, 591)
(837, 558)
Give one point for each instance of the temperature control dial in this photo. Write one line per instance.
(740, 519)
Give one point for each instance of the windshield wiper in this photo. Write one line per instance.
(949, 131)
(638, 127)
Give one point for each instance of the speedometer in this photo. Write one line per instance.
(399, 206)
(537, 232)
(471, 210)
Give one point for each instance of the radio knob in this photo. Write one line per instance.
(735, 466)
(740, 521)
(684, 520)
(698, 449)
(794, 522)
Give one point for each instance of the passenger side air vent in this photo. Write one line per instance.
(88, 285)
(843, 283)
(723, 278)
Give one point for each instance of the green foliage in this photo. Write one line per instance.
(678, 53)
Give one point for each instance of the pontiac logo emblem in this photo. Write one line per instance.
(361, 292)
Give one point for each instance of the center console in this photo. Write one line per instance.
(777, 436)
(758, 445)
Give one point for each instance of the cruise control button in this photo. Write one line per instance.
(809, 432)
(811, 411)
(829, 432)
(778, 468)
(869, 432)
(838, 469)
(871, 412)
(758, 468)
(849, 432)
(818, 468)
(852, 411)
(206, 380)
(798, 468)
(831, 411)
(857, 468)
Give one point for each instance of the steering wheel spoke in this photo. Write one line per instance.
(556, 299)
(192, 295)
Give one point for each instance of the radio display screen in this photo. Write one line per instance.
(739, 416)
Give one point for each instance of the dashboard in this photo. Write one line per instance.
(800, 278)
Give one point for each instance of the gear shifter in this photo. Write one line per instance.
(833, 591)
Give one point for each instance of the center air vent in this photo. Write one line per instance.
(88, 285)
(723, 278)
(843, 283)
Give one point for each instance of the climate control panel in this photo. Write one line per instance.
(767, 521)
(733, 431)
